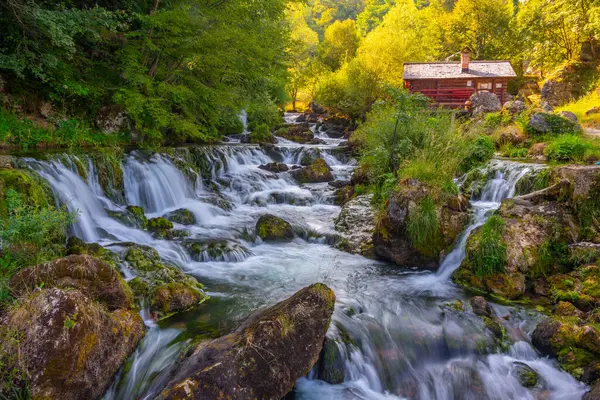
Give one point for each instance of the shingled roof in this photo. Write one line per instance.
(453, 70)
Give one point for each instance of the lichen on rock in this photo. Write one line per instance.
(272, 228)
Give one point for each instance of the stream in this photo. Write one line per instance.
(399, 336)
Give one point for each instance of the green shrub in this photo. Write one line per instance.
(422, 226)
(496, 119)
(542, 179)
(567, 148)
(486, 253)
(33, 234)
(511, 151)
(549, 254)
(480, 151)
(261, 134)
(557, 125)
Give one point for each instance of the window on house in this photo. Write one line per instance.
(498, 86)
(484, 86)
(469, 83)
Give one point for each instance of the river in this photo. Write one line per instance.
(395, 327)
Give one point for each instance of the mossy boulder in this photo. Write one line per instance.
(29, 186)
(138, 215)
(317, 172)
(577, 347)
(181, 216)
(159, 224)
(56, 337)
(299, 133)
(110, 175)
(263, 357)
(272, 228)
(418, 226)
(553, 124)
(526, 375)
(91, 276)
(166, 289)
(580, 287)
(275, 167)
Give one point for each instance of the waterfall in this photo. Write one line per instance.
(397, 337)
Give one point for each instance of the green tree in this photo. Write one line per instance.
(482, 26)
(340, 43)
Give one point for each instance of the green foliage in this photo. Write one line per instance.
(512, 151)
(486, 251)
(71, 133)
(567, 148)
(33, 234)
(550, 253)
(181, 69)
(480, 151)
(422, 226)
(542, 179)
(261, 134)
(496, 119)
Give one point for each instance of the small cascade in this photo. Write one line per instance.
(505, 176)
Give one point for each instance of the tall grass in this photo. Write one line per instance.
(582, 106)
(486, 253)
(422, 226)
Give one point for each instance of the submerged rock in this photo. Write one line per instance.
(271, 228)
(356, 224)
(68, 339)
(216, 250)
(480, 306)
(526, 375)
(317, 172)
(263, 357)
(332, 365)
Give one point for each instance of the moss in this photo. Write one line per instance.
(318, 171)
(29, 186)
(270, 227)
(527, 376)
(167, 289)
(159, 224)
(138, 215)
(182, 216)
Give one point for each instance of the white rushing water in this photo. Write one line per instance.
(399, 338)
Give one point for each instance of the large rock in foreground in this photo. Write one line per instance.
(68, 340)
(263, 358)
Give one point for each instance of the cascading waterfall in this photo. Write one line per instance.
(398, 337)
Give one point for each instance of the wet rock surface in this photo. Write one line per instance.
(356, 224)
(71, 336)
(263, 357)
(391, 239)
(272, 228)
(317, 172)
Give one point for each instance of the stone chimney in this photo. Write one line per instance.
(465, 58)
